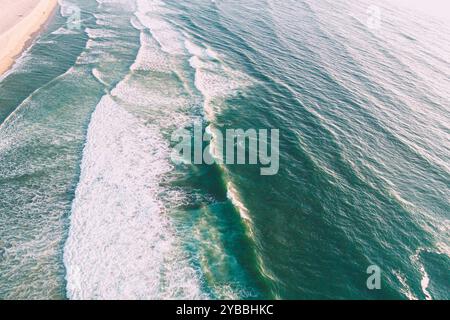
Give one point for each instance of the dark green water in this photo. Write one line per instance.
(91, 205)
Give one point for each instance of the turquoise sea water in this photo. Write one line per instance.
(92, 207)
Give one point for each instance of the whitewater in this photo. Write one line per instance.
(93, 207)
(128, 248)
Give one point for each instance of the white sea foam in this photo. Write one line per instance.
(67, 8)
(136, 23)
(94, 54)
(99, 76)
(424, 282)
(216, 81)
(442, 247)
(63, 30)
(98, 46)
(234, 197)
(136, 92)
(212, 54)
(121, 243)
(105, 20)
(212, 81)
(405, 289)
(170, 40)
(95, 33)
(121, 2)
(150, 15)
(157, 102)
(150, 57)
(213, 78)
(194, 49)
(152, 6)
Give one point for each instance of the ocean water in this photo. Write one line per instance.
(92, 207)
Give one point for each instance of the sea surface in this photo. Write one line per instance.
(93, 207)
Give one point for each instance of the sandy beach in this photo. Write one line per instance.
(19, 21)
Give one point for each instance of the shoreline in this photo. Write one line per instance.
(19, 37)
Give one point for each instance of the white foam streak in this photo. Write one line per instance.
(149, 15)
(99, 76)
(169, 39)
(405, 289)
(424, 282)
(212, 78)
(216, 81)
(136, 23)
(150, 56)
(121, 242)
(151, 6)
